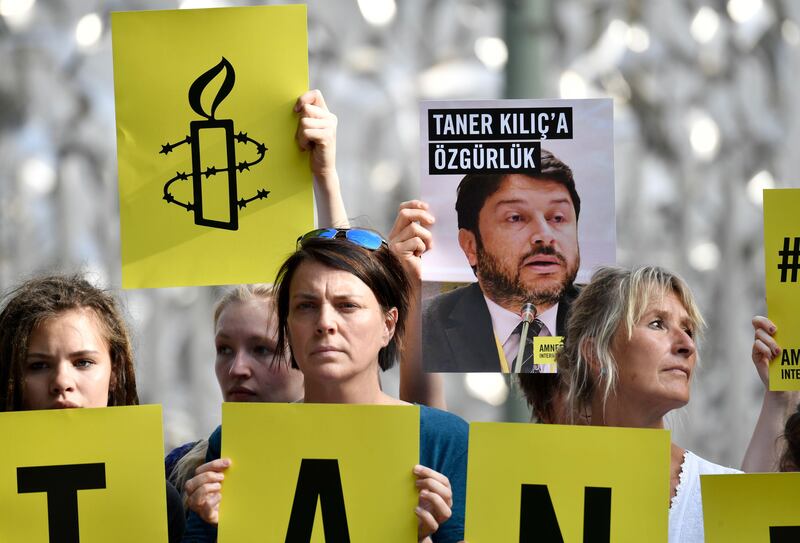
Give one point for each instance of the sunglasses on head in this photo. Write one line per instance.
(363, 238)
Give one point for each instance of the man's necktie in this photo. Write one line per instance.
(534, 329)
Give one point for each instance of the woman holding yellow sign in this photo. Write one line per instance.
(64, 344)
(628, 360)
(245, 321)
(342, 300)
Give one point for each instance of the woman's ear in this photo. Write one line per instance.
(390, 323)
(588, 353)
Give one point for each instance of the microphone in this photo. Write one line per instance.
(528, 315)
(528, 312)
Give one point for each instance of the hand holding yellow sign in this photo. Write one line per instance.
(782, 267)
(530, 481)
(93, 473)
(319, 470)
(757, 507)
(213, 188)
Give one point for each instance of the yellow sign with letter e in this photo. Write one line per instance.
(752, 507)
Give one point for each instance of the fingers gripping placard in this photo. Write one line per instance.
(304, 473)
(555, 484)
(88, 475)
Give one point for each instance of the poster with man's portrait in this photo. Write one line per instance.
(523, 196)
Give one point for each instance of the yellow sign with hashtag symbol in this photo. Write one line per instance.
(782, 267)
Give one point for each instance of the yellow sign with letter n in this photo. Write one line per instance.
(546, 482)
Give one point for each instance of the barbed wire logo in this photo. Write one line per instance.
(790, 259)
(210, 122)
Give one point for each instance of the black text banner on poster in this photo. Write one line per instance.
(500, 124)
(484, 157)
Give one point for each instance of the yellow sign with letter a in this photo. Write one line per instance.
(752, 507)
(782, 273)
(545, 482)
(94, 475)
(324, 472)
(213, 187)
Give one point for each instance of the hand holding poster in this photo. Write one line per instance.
(543, 482)
(782, 263)
(97, 474)
(530, 179)
(753, 507)
(312, 469)
(213, 187)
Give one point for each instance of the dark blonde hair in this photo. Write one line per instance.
(242, 293)
(615, 300)
(40, 299)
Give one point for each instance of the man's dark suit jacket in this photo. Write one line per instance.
(457, 333)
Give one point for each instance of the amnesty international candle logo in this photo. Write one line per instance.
(208, 175)
(213, 187)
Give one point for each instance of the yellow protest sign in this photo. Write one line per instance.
(213, 187)
(753, 507)
(530, 482)
(782, 263)
(97, 474)
(328, 470)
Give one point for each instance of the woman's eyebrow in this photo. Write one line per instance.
(84, 352)
(304, 295)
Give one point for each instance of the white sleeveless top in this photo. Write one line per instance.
(686, 510)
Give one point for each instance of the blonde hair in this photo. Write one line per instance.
(615, 300)
(242, 293)
(185, 467)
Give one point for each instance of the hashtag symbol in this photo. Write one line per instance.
(790, 259)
